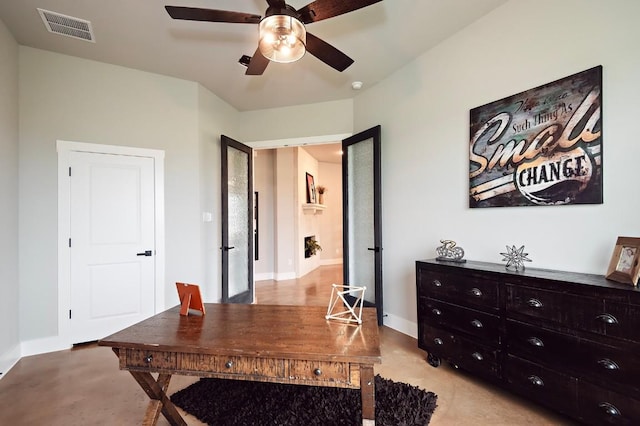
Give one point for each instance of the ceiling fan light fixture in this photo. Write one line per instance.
(283, 38)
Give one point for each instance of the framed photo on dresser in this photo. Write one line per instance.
(624, 266)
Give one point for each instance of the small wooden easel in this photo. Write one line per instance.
(190, 298)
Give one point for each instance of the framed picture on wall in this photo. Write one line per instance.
(311, 190)
(624, 265)
(540, 147)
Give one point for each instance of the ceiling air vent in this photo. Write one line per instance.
(67, 25)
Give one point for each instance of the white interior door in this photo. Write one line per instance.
(112, 243)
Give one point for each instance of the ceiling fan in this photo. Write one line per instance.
(283, 36)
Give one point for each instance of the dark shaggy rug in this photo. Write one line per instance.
(242, 403)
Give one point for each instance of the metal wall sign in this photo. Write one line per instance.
(539, 147)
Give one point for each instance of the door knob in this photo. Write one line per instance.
(145, 253)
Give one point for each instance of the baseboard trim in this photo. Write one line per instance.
(402, 325)
(285, 276)
(9, 359)
(263, 276)
(275, 277)
(44, 345)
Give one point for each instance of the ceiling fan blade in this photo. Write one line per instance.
(257, 64)
(211, 15)
(323, 9)
(327, 53)
(276, 3)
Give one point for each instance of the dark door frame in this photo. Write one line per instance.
(246, 296)
(375, 134)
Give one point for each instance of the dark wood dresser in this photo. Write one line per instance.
(569, 341)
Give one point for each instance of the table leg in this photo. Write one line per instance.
(368, 394)
(160, 402)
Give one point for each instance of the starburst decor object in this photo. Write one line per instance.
(515, 258)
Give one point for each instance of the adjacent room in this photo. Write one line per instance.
(495, 135)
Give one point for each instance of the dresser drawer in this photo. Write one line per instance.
(553, 308)
(480, 325)
(534, 381)
(247, 366)
(465, 353)
(319, 371)
(541, 345)
(592, 314)
(619, 320)
(153, 360)
(607, 364)
(613, 368)
(460, 289)
(535, 303)
(600, 406)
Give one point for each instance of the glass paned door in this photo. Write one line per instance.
(362, 225)
(237, 222)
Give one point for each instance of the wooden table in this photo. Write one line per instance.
(266, 343)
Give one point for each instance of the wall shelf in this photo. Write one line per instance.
(310, 208)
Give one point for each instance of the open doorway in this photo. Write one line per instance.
(284, 218)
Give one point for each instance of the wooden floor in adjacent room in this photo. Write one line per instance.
(83, 386)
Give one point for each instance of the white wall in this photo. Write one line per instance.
(9, 295)
(330, 176)
(424, 113)
(301, 121)
(285, 213)
(309, 224)
(264, 184)
(67, 98)
(326, 226)
(216, 117)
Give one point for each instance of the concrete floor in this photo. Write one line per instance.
(83, 386)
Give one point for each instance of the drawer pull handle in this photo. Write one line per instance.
(317, 372)
(477, 356)
(438, 341)
(436, 311)
(610, 409)
(437, 283)
(475, 292)
(535, 380)
(228, 364)
(476, 323)
(534, 341)
(148, 359)
(534, 303)
(608, 364)
(607, 319)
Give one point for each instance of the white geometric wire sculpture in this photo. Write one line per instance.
(352, 313)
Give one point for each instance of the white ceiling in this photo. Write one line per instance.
(140, 34)
(327, 153)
